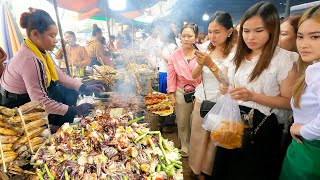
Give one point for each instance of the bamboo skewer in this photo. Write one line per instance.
(2, 157)
(102, 62)
(25, 129)
(150, 86)
(48, 125)
(139, 88)
(103, 75)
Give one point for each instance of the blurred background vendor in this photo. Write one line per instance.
(95, 48)
(32, 75)
(78, 57)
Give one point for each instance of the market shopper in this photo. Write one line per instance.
(287, 40)
(77, 55)
(107, 51)
(3, 57)
(180, 81)
(220, 51)
(32, 75)
(302, 160)
(167, 37)
(94, 47)
(111, 45)
(262, 75)
(288, 33)
(150, 47)
(201, 38)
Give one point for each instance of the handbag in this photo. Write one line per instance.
(205, 105)
(188, 96)
(249, 132)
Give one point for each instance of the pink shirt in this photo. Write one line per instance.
(26, 74)
(180, 71)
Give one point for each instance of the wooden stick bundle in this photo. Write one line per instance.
(2, 157)
(102, 61)
(25, 129)
(102, 74)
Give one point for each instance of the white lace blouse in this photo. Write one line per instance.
(210, 85)
(268, 83)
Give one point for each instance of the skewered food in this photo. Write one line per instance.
(159, 108)
(9, 132)
(159, 103)
(9, 156)
(32, 106)
(7, 147)
(3, 124)
(7, 111)
(35, 124)
(28, 117)
(8, 139)
(24, 138)
(106, 69)
(14, 141)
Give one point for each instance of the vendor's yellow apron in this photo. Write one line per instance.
(302, 161)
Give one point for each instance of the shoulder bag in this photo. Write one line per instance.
(188, 96)
(205, 105)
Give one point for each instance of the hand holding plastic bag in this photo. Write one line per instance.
(225, 123)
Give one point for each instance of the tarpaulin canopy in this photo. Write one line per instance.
(99, 9)
(10, 36)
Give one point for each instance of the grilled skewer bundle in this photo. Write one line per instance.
(14, 140)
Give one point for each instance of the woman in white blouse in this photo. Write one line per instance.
(219, 50)
(262, 75)
(302, 160)
(167, 37)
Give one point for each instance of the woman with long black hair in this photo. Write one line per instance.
(220, 51)
(262, 75)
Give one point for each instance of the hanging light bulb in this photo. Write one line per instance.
(117, 5)
(205, 16)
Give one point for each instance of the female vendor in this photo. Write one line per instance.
(32, 75)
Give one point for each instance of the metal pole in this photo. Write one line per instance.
(61, 37)
(108, 27)
(287, 11)
(132, 35)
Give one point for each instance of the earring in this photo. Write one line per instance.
(229, 36)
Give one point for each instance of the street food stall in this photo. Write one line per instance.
(120, 139)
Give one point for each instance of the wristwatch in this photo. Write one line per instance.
(213, 68)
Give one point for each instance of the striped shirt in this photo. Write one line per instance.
(25, 74)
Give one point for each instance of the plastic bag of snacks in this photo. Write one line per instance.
(225, 123)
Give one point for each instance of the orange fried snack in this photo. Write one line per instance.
(229, 134)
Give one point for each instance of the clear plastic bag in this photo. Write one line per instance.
(225, 123)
